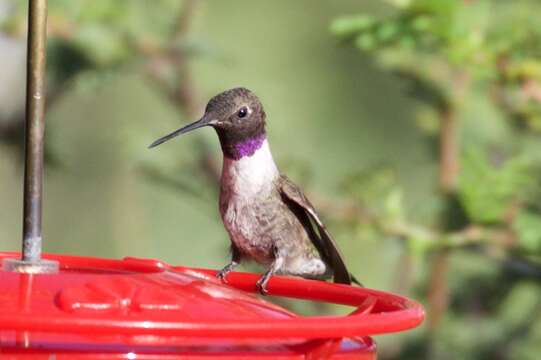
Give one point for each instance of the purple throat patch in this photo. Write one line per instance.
(250, 146)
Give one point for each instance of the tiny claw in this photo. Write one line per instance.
(222, 275)
(261, 286)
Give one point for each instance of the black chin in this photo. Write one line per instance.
(232, 136)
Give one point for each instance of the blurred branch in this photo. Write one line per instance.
(438, 289)
(404, 271)
(496, 241)
(187, 92)
(167, 66)
(448, 151)
(436, 240)
(184, 92)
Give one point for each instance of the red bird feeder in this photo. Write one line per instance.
(68, 307)
(145, 309)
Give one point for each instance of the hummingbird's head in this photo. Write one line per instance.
(238, 117)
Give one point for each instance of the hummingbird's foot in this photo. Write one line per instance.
(262, 282)
(261, 286)
(222, 274)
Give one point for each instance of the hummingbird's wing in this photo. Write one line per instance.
(324, 243)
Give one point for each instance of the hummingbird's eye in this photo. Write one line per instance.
(243, 111)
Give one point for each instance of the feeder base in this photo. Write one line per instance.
(30, 267)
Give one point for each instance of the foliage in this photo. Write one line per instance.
(455, 55)
(99, 36)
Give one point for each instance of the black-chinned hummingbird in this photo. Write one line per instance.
(268, 217)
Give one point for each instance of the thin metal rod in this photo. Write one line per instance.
(35, 126)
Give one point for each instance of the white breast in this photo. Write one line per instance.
(245, 182)
(250, 174)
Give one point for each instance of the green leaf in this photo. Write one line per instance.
(421, 23)
(527, 226)
(419, 244)
(348, 26)
(387, 31)
(394, 204)
(366, 42)
(486, 191)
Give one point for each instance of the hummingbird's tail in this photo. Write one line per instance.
(355, 281)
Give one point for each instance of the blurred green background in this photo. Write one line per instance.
(413, 125)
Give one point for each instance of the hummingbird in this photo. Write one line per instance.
(268, 218)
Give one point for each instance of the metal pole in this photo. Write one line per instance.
(35, 125)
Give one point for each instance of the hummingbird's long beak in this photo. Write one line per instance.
(204, 121)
